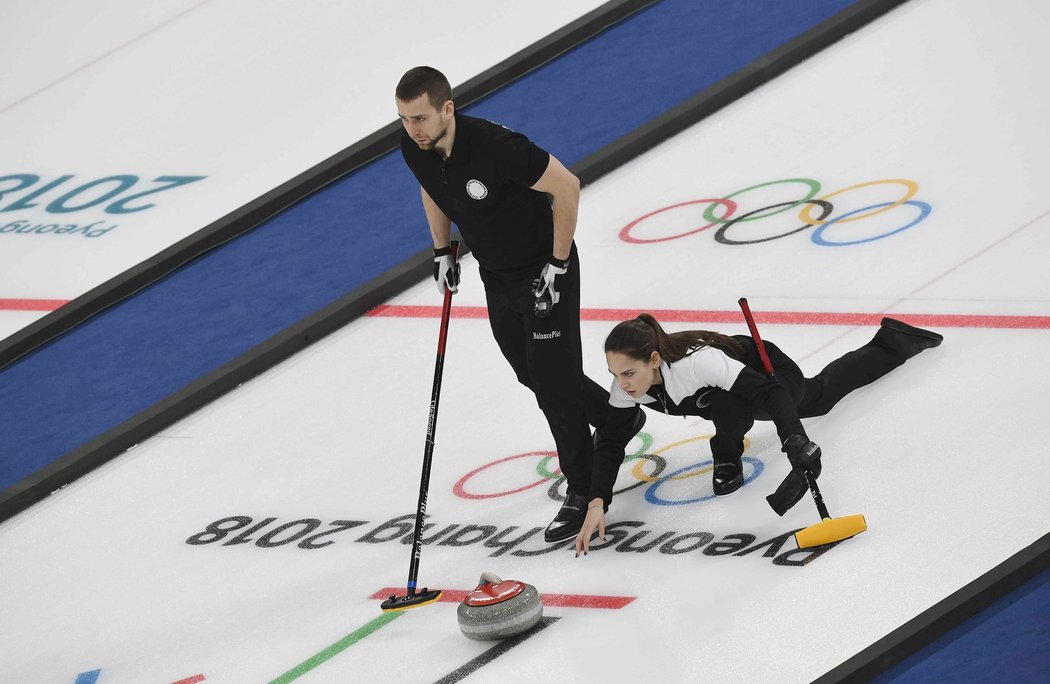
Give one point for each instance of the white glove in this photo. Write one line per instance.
(546, 286)
(446, 270)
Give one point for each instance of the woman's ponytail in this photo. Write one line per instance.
(639, 337)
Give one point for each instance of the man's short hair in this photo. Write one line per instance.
(424, 80)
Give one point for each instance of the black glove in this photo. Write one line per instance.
(790, 491)
(446, 270)
(803, 454)
(545, 288)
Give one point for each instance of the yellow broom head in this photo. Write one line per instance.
(830, 530)
(423, 598)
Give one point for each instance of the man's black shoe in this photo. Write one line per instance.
(569, 521)
(906, 339)
(728, 476)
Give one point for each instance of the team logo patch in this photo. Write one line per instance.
(476, 189)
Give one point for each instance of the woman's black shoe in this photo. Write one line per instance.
(906, 340)
(728, 476)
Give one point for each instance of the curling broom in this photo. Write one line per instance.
(412, 598)
(828, 530)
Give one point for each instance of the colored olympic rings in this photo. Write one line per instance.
(654, 478)
(459, 489)
(814, 188)
(636, 471)
(650, 494)
(720, 236)
(625, 233)
(723, 212)
(554, 491)
(911, 185)
(818, 234)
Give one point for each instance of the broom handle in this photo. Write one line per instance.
(428, 450)
(756, 337)
(810, 480)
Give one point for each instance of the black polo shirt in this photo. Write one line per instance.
(485, 188)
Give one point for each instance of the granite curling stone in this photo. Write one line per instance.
(499, 608)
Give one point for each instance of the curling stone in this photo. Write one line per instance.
(499, 608)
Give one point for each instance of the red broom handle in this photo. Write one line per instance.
(756, 337)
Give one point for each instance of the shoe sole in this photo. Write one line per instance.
(901, 327)
(730, 491)
(552, 540)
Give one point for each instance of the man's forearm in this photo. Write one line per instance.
(440, 225)
(565, 210)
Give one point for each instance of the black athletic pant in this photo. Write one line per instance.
(733, 416)
(546, 356)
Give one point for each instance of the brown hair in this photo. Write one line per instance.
(639, 337)
(424, 80)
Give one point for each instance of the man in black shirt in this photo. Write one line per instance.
(515, 205)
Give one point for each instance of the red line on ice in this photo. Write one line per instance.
(549, 600)
(31, 304)
(733, 316)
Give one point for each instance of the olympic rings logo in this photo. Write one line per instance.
(730, 220)
(656, 478)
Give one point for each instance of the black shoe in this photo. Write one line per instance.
(569, 521)
(728, 476)
(907, 340)
(636, 427)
